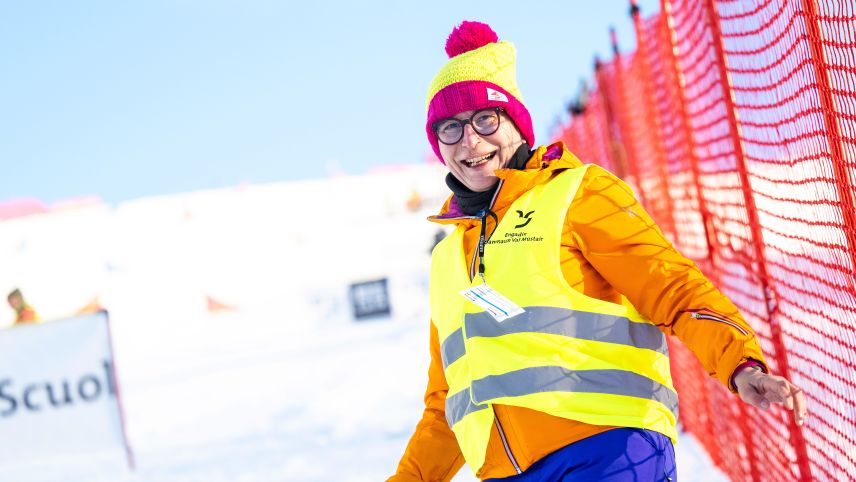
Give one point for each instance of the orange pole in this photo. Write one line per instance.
(833, 131)
(614, 147)
(706, 218)
(628, 154)
(797, 439)
(652, 119)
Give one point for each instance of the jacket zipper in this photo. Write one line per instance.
(505, 444)
(703, 316)
(495, 418)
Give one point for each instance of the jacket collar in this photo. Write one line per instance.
(541, 167)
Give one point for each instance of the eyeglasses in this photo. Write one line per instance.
(450, 131)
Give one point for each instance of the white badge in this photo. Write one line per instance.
(490, 300)
(496, 95)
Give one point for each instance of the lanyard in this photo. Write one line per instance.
(485, 213)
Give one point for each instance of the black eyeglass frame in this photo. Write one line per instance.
(436, 124)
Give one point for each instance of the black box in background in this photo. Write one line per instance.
(370, 299)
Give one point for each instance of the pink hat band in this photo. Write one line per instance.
(474, 95)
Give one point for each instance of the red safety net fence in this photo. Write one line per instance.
(735, 122)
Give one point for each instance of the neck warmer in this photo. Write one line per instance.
(472, 202)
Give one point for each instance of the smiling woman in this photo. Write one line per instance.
(554, 365)
(481, 144)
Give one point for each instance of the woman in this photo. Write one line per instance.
(551, 300)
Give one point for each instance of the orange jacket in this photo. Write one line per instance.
(26, 315)
(610, 246)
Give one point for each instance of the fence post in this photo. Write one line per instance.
(626, 136)
(843, 181)
(706, 218)
(652, 120)
(797, 439)
(603, 136)
(581, 130)
(616, 150)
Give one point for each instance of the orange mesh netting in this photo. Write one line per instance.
(735, 122)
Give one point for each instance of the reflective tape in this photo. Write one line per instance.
(452, 348)
(459, 406)
(582, 325)
(558, 379)
(557, 321)
(575, 324)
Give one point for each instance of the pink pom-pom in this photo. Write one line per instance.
(469, 36)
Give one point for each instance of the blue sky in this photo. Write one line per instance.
(129, 99)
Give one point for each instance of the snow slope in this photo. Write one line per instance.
(286, 387)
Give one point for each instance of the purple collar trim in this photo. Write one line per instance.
(553, 152)
(453, 212)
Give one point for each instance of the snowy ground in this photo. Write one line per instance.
(286, 388)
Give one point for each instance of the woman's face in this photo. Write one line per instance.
(475, 158)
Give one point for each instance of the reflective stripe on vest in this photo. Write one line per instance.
(568, 355)
(558, 321)
(558, 379)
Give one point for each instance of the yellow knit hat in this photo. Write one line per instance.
(480, 74)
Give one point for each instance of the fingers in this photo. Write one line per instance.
(774, 389)
(800, 408)
(754, 398)
(751, 394)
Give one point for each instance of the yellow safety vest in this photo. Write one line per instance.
(568, 355)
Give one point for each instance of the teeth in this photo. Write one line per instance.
(477, 161)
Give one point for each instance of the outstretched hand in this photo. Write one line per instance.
(760, 390)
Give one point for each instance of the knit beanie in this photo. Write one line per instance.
(480, 74)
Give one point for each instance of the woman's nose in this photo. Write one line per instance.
(471, 137)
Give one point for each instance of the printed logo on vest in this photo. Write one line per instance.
(518, 236)
(496, 95)
(522, 217)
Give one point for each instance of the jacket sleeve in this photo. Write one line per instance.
(621, 241)
(432, 455)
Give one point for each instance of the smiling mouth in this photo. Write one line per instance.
(478, 161)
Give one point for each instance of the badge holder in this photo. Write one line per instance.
(487, 298)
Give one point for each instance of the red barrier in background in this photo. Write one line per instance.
(735, 122)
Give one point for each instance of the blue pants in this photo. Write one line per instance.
(618, 455)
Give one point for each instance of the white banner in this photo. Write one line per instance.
(57, 390)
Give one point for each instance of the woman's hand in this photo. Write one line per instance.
(760, 390)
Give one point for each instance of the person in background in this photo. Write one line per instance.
(551, 301)
(24, 313)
